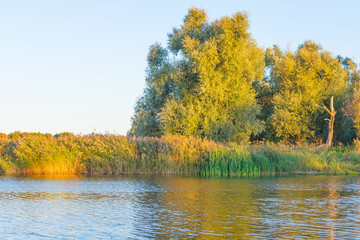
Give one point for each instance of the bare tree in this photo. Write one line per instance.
(332, 113)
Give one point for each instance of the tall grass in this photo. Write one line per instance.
(35, 153)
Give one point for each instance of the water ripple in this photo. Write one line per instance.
(323, 207)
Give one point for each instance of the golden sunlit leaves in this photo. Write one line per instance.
(303, 81)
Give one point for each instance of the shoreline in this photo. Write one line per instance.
(299, 173)
(44, 154)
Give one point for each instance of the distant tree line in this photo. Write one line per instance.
(213, 81)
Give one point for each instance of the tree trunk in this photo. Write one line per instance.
(332, 113)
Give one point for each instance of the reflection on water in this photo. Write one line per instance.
(326, 207)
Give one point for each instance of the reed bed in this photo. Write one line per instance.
(35, 153)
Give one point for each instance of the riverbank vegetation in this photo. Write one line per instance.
(35, 153)
(216, 104)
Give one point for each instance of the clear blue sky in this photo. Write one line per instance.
(79, 65)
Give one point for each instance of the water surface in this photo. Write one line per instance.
(325, 207)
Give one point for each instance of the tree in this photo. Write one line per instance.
(353, 110)
(145, 121)
(352, 107)
(210, 76)
(332, 113)
(302, 81)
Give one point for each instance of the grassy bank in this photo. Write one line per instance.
(34, 153)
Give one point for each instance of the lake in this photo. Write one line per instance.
(142, 207)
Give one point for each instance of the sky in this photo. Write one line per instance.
(79, 65)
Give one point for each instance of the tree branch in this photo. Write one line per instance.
(324, 107)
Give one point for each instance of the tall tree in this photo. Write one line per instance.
(303, 81)
(211, 74)
(145, 121)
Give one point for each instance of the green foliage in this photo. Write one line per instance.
(145, 121)
(303, 82)
(207, 89)
(213, 81)
(352, 108)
